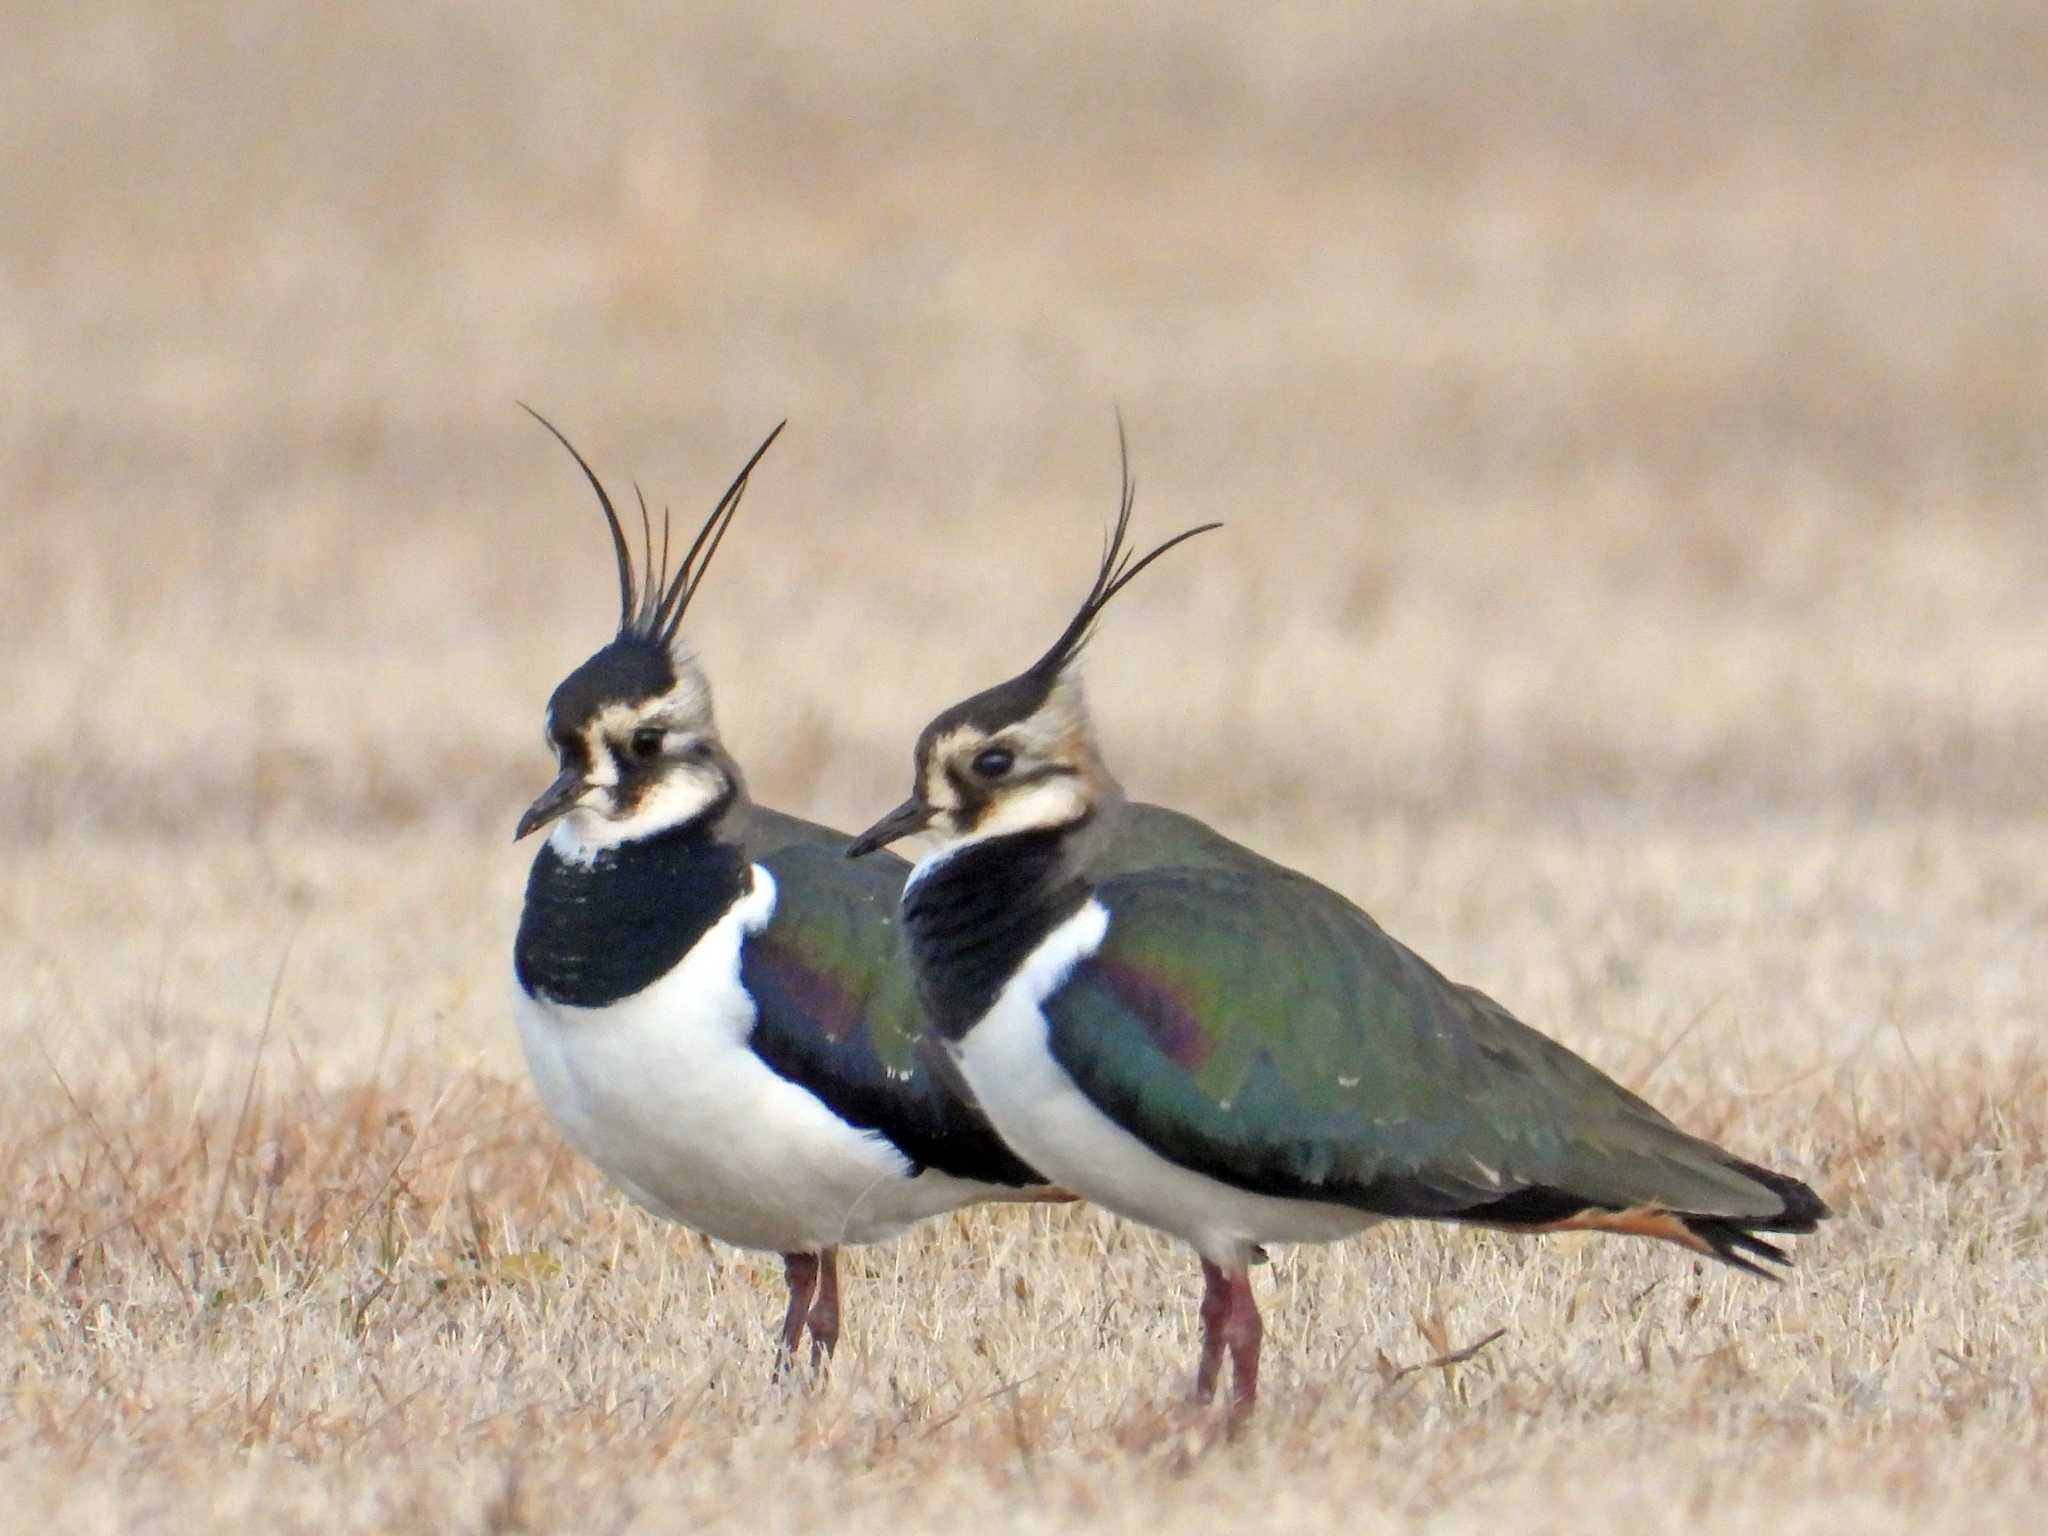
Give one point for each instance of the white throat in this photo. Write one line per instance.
(583, 833)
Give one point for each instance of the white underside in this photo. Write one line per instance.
(661, 1091)
(1053, 1126)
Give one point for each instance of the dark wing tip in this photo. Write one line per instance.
(1803, 1210)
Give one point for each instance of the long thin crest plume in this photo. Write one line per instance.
(666, 615)
(1117, 570)
(611, 518)
(655, 612)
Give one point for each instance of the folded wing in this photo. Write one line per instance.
(837, 1012)
(1357, 1074)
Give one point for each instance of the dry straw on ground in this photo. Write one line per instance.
(1631, 423)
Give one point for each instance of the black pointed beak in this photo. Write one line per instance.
(554, 800)
(913, 815)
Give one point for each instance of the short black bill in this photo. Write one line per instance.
(913, 815)
(557, 798)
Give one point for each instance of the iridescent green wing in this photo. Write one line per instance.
(1265, 1032)
(836, 1011)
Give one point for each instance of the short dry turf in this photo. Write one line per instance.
(1631, 424)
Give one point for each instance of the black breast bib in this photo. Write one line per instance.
(594, 933)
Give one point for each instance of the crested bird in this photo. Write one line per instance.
(1208, 1042)
(713, 1002)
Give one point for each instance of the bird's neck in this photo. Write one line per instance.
(974, 914)
(599, 929)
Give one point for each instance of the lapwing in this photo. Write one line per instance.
(714, 1003)
(1208, 1042)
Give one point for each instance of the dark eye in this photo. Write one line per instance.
(994, 762)
(647, 741)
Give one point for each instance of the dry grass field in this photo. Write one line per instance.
(1632, 423)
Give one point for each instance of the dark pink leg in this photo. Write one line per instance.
(1215, 1317)
(1243, 1331)
(824, 1313)
(801, 1270)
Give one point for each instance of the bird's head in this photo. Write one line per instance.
(632, 728)
(1021, 756)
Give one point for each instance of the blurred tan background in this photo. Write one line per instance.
(1620, 411)
(1631, 421)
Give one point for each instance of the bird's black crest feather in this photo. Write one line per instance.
(1117, 569)
(1017, 699)
(655, 612)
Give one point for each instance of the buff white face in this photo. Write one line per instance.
(633, 734)
(1018, 758)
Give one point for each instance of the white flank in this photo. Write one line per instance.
(1049, 1122)
(661, 1091)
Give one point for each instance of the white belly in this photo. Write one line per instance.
(1049, 1122)
(661, 1091)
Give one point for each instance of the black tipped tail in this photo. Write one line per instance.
(1735, 1245)
(1734, 1240)
(1731, 1239)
